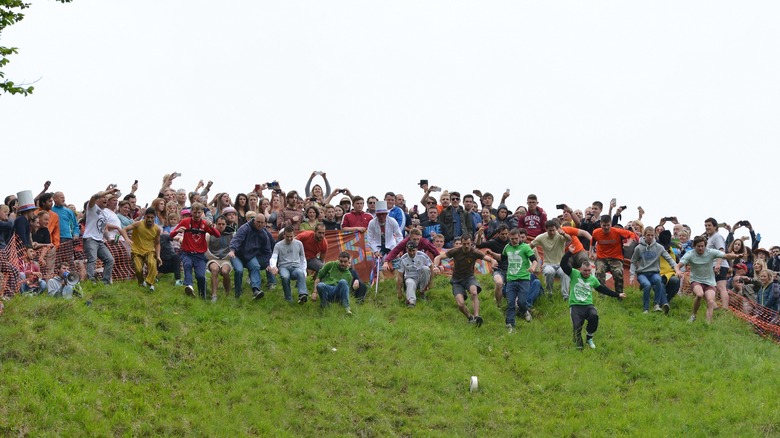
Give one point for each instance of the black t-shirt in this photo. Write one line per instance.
(497, 246)
(42, 236)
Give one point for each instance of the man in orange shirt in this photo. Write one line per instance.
(45, 203)
(607, 248)
(314, 247)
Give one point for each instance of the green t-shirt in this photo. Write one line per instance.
(330, 274)
(581, 289)
(518, 261)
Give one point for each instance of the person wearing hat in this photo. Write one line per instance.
(24, 216)
(416, 271)
(742, 285)
(231, 219)
(383, 232)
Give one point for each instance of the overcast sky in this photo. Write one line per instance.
(673, 106)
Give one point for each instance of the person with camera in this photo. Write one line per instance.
(316, 193)
(145, 250)
(590, 221)
(357, 219)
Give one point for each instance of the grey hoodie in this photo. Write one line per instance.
(646, 257)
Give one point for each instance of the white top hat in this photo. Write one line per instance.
(381, 207)
(25, 201)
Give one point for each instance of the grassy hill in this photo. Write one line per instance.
(138, 363)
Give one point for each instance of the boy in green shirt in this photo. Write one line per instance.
(521, 262)
(581, 298)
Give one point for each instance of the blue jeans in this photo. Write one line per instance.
(672, 287)
(197, 262)
(300, 280)
(516, 291)
(652, 279)
(95, 250)
(534, 290)
(339, 292)
(255, 281)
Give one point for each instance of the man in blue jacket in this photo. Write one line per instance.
(252, 246)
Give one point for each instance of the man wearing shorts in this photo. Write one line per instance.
(702, 275)
(218, 255)
(463, 280)
(720, 267)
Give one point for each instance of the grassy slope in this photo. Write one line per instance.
(135, 363)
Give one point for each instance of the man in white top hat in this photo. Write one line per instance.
(24, 216)
(383, 232)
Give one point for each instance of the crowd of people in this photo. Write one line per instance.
(278, 236)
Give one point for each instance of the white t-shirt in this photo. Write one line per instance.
(717, 242)
(95, 223)
(113, 219)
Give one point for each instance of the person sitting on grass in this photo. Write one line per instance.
(463, 280)
(218, 255)
(414, 266)
(289, 261)
(30, 274)
(582, 284)
(333, 281)
(702, 275)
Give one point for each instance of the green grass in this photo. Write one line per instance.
(134, 363)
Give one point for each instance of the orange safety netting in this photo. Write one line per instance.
(764, 320)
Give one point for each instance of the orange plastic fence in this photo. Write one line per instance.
(763, 320)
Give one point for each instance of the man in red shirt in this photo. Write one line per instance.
(314, 247)
(607, 248)
(193, 248)
(357, 219)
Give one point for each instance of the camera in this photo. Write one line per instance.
(176, 174)
(272, 185)
(622, 207)
(435, 189)
(560, 206)
(423, 182)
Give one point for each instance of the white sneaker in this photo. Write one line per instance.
(349, 312)
(657, 308)
(528, 316)
(691, 319)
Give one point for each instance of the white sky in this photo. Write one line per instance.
(673, 106)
